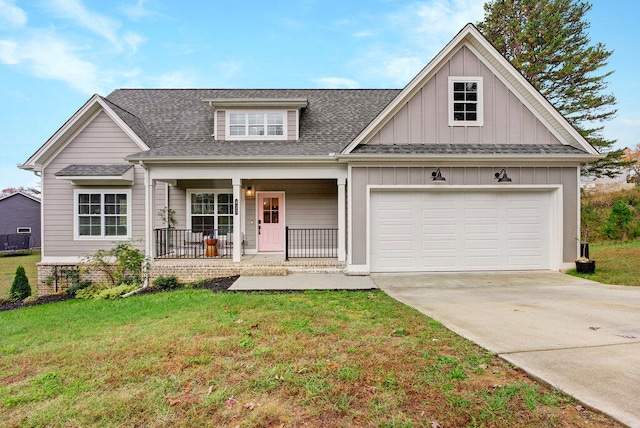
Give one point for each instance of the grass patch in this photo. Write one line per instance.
(196, 358)
(8, 265)
(616, 263)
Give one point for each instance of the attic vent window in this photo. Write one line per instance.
(465, 101)
(256, 125)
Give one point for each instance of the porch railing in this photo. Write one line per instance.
(311, 243)
(173, 243)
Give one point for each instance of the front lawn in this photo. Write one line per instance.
(317, 359)
(8, 265)
(616, 263)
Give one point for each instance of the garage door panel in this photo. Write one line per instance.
(458, 231)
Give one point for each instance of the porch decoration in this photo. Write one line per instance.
(212, 246)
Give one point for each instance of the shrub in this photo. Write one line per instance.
(91, 292)
(166, 282)
(618, 224)
(20, 289)
(76, 283)
(115, 292)
(124, 263)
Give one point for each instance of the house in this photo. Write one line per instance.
(467, 168)
(19, 214)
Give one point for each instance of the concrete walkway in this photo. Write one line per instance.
(304, 281)
(577, 335)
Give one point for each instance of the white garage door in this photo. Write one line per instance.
(459, 231)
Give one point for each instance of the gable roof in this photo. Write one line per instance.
(33, 198)
(180, 122)
(129, 124)
(471, 37)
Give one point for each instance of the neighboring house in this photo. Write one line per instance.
(607, 184)
(20, 213)
(398, 180)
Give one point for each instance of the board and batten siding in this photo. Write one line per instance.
(100, 142)
(567, 177)
(424, 118)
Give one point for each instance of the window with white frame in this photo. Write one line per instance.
(465, 101)
(211, 212)
(103, 214)
(24, 230)
(252, 125)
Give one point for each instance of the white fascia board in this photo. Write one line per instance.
(72, 127)
(294, 103)
(471, 37)
(254, 172)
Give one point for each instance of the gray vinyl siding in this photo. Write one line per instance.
(567, 177)
(20, 211)
(100, 142)
(221, 131)
(292, 125)
(424, 118)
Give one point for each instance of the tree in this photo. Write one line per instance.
(20, 289)
(547, 41)
(632, 156)
(28, 190)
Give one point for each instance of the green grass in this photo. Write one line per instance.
(196, 358)
(616, 263)
(8, 265)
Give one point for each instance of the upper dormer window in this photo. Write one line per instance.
(465, 101)
(254, 125)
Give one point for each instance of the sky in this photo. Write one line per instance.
(55, 54)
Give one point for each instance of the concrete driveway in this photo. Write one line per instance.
(577, 335)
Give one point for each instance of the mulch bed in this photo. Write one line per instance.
(216, 285)
(39, 301)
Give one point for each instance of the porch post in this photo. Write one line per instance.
(149, 205)
(342, 252)
(237, 229)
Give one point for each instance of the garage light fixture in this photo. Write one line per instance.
(503, 178)
(437, 175)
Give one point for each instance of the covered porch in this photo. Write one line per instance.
(223, 214)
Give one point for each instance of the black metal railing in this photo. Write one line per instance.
(173, 243)
(311, 243)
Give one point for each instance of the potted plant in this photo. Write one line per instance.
(584, 264)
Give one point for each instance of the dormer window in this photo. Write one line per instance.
(465, 101)
(256, 125)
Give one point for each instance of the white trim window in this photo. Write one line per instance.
(23, 230)
(210, 211)
(465, 101)
(257, 125)
(102, 214)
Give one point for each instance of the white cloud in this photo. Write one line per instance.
(411, 36)
(364, 33)
(336, 83)
(49, 57)
(9, 52)
(175, 79)
(11, 15)
(136, 11)
(401, 70)
(630, 122)
(99, 24)
(133, 40)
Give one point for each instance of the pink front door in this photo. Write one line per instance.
(270, 222)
